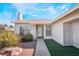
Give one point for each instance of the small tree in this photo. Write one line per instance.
(11, 26)
(5, 25)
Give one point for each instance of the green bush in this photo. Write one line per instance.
(8, 39)
(27, 38)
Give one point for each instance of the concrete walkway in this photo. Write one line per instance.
(41, 49)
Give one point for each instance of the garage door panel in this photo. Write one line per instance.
(76, 34)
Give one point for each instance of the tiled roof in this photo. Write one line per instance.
(33, 22)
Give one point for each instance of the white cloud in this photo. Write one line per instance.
(22, 7)
(28, 8)
(63, 7)
(19, 7)
(33, 10)
(52, 10)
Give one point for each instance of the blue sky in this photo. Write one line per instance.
(8, 11)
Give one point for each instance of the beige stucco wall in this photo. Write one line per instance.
(58, 26)
(57, 32)
(32, 31)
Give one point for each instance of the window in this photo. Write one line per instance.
(27, 29)
(24, 30)
(48, 30)
(21, 30)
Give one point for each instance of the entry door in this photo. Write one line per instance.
(39, 31)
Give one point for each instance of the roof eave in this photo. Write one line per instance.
(66, 13)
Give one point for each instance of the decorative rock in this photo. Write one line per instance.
(14, 51)
(5, 53)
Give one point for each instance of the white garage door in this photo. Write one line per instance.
(68, 36)
(76, 34)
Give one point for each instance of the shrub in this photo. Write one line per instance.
(8, 39)
(27, 38)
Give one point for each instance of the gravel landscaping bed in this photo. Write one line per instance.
(28, 44)
(29, 48)
(24, 49)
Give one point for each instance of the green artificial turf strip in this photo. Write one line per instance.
(56, 49)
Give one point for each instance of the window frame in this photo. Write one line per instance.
(48, 30)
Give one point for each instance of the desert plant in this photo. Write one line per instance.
(12, 39)
(27, 38)
(8, 39)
